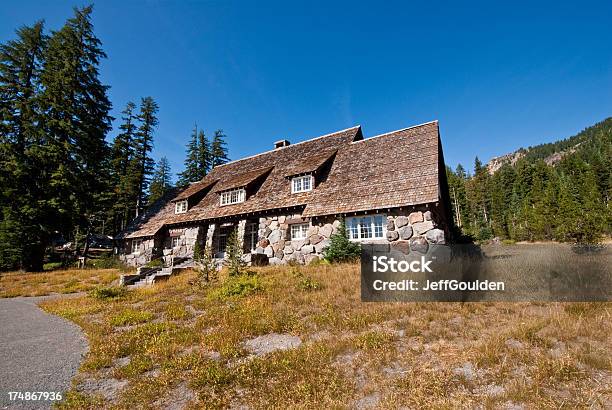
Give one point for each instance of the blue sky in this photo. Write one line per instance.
(496, 75)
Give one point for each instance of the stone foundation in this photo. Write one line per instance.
(411, 230)
(408, 231)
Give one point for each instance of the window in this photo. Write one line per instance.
(301, 184)
(180, 207)
(176, 241)
(233, 197)
(251, 236)
(366, 227)
(299, 231)
(136, 245)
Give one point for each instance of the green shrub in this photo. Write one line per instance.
(508, 242)
(239, 286)
(52, 266)
(205, 265)
(308, 284)
(107, 292)
(106, 261)
(340, 248)
(234, 261)
(155, 263)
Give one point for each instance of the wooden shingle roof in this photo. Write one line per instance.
(396, 169)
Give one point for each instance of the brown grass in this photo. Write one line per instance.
(175, 338)
(14, 284)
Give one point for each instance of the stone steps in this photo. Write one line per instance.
(153, 275)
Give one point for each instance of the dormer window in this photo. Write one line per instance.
(302, 184)
(180, 207)
(234, 196)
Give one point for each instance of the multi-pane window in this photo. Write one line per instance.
(301, 184)
(251, 236)
(366, 227)
(233, 197)
(180, 207)
(176, 241)
(136, 245)
(299, 231)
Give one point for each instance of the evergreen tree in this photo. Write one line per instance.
(75, 122)
(22, 208)
(161, 181)
(198, 159)
(191, 172)
(233, 259)
(124, 181)
(340, 248)
(204, 155)
(143, 164)
(218, 151)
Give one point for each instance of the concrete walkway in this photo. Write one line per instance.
(38, 352)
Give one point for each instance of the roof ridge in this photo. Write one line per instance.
(291, 145)
(393, 132)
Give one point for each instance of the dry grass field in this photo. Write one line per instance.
(299, 337)
(58, 281)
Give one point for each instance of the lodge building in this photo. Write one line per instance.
(287, 202)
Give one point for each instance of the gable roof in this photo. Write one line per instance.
(396, 169)
(310, 164)
(194, 188)
(242, 180)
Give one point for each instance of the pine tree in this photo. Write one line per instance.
(218, 153)
(143, 164)
(204, 155)
(22, 208)
(233, 259)
(161, 182)
(124, 183)
(75, 121)
(340, 248)
(191, 172)
(198, 160)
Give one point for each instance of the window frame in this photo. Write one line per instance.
(173, 239)
(180, 207)
(301, 179)
(136, 244)
(251, 235)
(303, 232)
(225, 197)
(359, 232)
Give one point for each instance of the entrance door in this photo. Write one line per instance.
(221, 236)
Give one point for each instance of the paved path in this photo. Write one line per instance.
(38, 351)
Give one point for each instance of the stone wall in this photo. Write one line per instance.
(404, 230)
(187, 240)
(409, 230)
(413, 232)
(275, 239)
(147, 250)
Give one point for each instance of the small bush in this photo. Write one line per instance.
(205, 265)
(155, 263)
(52, 266)
(308, 284)
(106, 261)
(508, 242)
(239, 286)
(233, 261)
(107, 292)
(340, 248)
